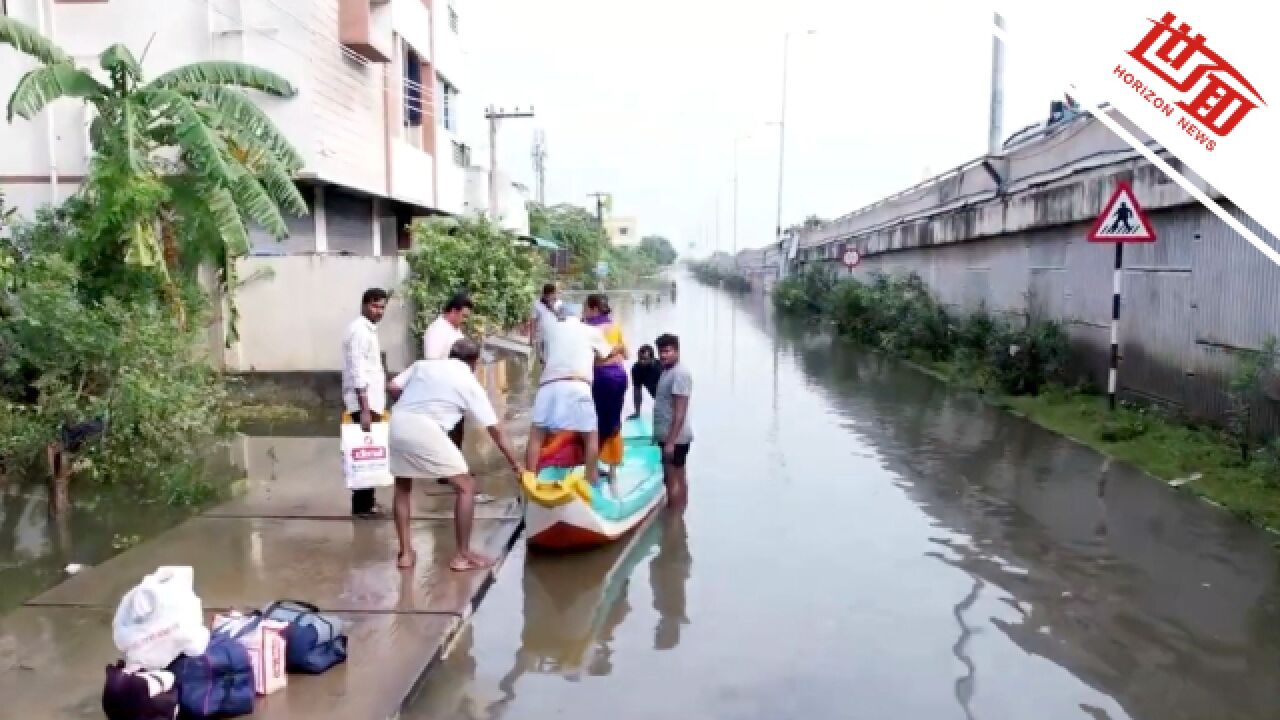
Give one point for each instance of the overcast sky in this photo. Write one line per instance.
(644, 100)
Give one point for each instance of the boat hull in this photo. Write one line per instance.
(563, 512)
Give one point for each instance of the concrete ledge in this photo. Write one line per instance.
(54, 659)
(339, 565)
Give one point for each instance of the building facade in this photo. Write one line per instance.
(622, 231)
(380, 118)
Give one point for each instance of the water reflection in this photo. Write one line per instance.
(668, 574)
(574, 608)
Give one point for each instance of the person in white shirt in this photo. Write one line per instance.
(446, 329)
(431, 397)
(564, 402)
(364, 381)
(441, 334)
(544, 313)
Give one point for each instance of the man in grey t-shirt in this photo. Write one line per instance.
(672, 427)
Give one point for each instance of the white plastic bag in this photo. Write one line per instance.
(366, 456)
(160, 619)
(264, 641)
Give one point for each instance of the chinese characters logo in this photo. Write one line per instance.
(1214, 95)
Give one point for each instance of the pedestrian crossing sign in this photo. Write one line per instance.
(1122, 220)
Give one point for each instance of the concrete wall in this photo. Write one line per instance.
(1193, 301)
(295, 309)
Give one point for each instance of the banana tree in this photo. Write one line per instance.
(182, 164)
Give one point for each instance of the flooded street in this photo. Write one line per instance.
(864, 542)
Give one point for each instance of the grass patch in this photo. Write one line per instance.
(266, 413)
(1165, 448)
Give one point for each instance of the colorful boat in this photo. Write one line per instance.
(564, 512)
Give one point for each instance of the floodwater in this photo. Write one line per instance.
(864, 542)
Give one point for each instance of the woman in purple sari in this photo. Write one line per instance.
(609, 385)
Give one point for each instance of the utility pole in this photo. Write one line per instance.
(995, 127)
(782, 129)
(493, 116)
(599, 196)
(540, 164)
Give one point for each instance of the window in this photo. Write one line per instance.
(448, 104)
(412, 87)
(453, 18)
(461, 155)
(412, 95)
(623, 230)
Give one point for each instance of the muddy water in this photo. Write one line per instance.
(862, 542)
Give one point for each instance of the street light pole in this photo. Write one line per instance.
(736, 141)
(782, 130)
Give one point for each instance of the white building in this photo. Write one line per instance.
(380, 118)
(622, 231)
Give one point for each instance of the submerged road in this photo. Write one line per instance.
(864, 542)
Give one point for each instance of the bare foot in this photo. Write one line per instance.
(467, 560)
(407, 560)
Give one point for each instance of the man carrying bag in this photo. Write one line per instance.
(364, 395)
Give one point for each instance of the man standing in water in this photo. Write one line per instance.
(364, 381)
(672, 428)
(644, 376)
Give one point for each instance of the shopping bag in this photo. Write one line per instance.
(264, 640)
(160, 619)
(366, 456)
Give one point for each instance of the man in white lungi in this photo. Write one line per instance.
(430, 399)
(564, 401)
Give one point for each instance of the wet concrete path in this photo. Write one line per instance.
(863, 542)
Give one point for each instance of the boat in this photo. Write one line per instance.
(564, 512)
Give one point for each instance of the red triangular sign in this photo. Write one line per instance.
(1122, 219)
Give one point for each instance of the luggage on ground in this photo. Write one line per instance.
(264, 639)
(314, 642)
(217, 684)
(137, 694)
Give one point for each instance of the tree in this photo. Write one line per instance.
(574, 229)
(475, 256)
(182, 164)
(659, 249)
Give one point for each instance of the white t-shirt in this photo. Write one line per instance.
(443, 390)
(439, 338)
(542, 317)
(571, 349)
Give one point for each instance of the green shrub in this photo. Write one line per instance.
(70, 357)
(476, 256)
(1024, 360)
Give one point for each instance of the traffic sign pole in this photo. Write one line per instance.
(1121, 221)
(1113, 372)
